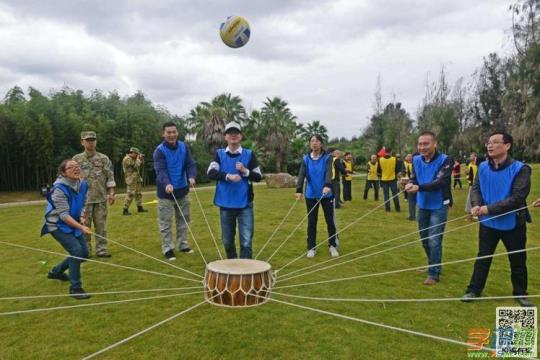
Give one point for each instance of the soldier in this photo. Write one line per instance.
(131, 165)
(96, 169)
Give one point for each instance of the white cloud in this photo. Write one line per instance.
(322, 57)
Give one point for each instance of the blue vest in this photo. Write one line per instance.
(76, 205)
(230, 194)
(315, 176)
(176, 159)
(426, 172)
(496, 186)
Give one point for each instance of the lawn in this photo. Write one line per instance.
(272, 330)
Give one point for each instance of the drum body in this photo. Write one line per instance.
(238, 282)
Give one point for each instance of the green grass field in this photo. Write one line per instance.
(272, 330)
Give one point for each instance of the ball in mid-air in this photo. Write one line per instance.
(235, 31)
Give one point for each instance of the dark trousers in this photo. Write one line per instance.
(336, 189)
(457, 180)
(372, 184)
(347, 190)
(387, 186)
(515, 239)
(328, 209)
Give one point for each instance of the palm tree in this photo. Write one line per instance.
(314, 127)
(278, 129)
(208, 119)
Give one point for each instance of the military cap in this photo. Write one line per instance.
(88, 135)
(134, 150)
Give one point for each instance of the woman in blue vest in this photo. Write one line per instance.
(316, 170)
(63, 220)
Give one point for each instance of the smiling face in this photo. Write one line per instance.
(170, 134)
(71, 170)
(427, 145)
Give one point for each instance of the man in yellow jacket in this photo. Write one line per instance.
(388, 169)
(347, 179)
(372, 179)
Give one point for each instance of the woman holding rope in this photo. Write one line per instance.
(64, 221)
(316, 170)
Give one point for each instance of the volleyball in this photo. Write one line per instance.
(235, 31)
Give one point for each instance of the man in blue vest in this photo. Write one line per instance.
(430, 180)
(501, 186)
(175, 172)
(235, 168)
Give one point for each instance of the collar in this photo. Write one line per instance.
(238, 151)
(171, 146)
(506, 162)
(435, 156)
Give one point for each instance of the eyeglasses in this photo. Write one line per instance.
(73, 167)
(494, 143)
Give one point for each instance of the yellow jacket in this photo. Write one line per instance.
(388, 168)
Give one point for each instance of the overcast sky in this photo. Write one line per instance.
(322, 57)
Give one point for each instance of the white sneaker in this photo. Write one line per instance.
(311, 253)
(333, 251)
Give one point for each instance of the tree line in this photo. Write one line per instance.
(37, 131)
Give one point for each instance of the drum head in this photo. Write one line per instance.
(238, 266)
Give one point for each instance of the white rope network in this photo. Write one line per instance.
(206, 220)
(189, 228)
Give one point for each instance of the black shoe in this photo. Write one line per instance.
(468, 297)
(104, 255)
(186, 250)
(126, 212)
(141, 209)
(170, 255)
(56, 276)
(79, 294)
(524, 301)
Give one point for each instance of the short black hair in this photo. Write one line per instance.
(507, 138)
(318, 137)
(169, 124)
(428, 132)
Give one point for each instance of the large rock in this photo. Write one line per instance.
(280, 180)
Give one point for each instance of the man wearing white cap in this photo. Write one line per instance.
(235, 168)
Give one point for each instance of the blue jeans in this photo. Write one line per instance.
(75, 246)
(245, 229)
(435, 220)
(387, 186)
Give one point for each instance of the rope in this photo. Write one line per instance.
(97, 293)
(148, 256)
(338, 232)
(402, 300)
(143, 331)
(207, 223)
(381, 325)
(94, 304)
(287, 275)
(189, 228)
(277, 228)
(296, 228)
(410, 269)
(399, 246)
(99, 262)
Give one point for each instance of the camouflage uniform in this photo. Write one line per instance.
(97, 169)
(133, 181)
